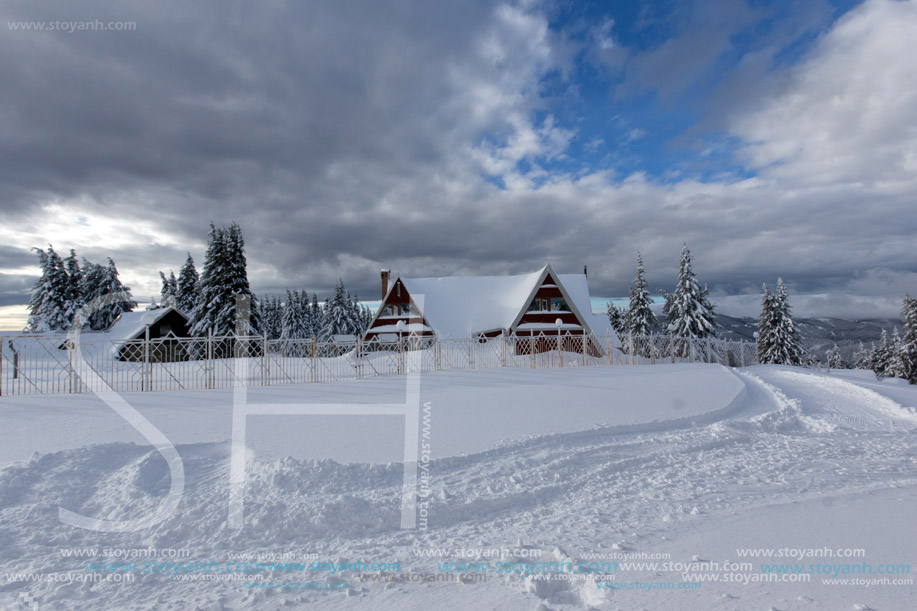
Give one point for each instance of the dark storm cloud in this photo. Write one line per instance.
(346, 136)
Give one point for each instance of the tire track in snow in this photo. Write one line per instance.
(845, 403)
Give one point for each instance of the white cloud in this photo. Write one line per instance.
(848, 112)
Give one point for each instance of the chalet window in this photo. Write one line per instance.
(545, 304)
(559, 305)
(402, 309)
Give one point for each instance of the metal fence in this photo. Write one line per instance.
(49, 364)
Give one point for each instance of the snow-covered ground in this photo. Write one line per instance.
(716, 472)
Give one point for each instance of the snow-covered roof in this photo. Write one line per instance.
(578, 290)
(130, 325)
(458, 306)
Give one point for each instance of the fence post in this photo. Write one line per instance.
(210, 381)
(149, 360)
(265, 363)
(532, 350)
(584, 347)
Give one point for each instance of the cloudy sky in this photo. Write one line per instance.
(776, 138)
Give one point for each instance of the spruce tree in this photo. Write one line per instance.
(223, 279)
(120, 301)
(861, 357)
(272, 317)
(909, 341)
(35, 323)
(667, 308)
(881, 355)
(168, 295)
(93, 274)
(708, 311)
(295, 322)
(52, 313)
(617, 318)
(895, 368)
(318, 317)
(786, 347)
(74, 301)
(186, 295)
(690, 314)
(336, 316)
(766, 323)
(640, 319)
(833, 357)
(213, 293)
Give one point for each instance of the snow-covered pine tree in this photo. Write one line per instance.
(708, 311)
(35, 323)
(367, 318)
(861, 357)
(212, 289)
(766, 323)
(74, 286)
(110, 284)
(238, 266)
(223, 279)
(91, 287)
(295, 317)
(271, 317)
(881, 355)
(690, 314)
(186, 295)
(168, 295)
(318, 316)
(616, 317)
(833, 357)
(52, 313)
(786, 346)
(895, 366)
(909, 342)
(337, 319)
(640, 318)
(667, 308)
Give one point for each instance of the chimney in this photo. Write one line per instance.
(585, 271)
(385, 273)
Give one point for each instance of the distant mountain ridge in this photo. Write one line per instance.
(818, 334)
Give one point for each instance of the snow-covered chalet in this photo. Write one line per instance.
(488, 306)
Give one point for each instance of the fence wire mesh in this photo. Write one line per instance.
(49, 364)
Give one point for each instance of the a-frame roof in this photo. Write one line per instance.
(459, 306)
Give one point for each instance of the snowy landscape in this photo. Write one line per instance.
(500, 305)
(690, 465)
